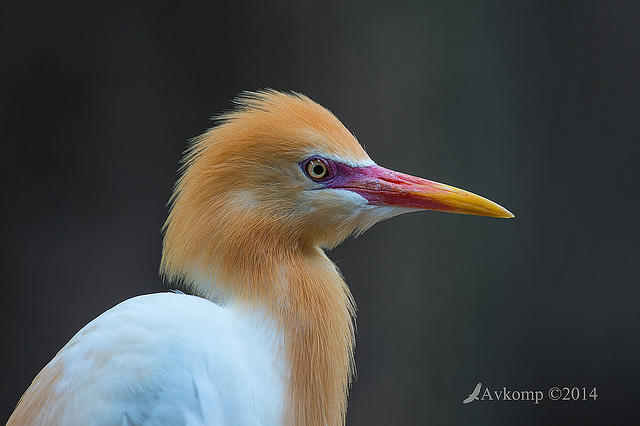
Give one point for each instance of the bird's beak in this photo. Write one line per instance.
(386, 187)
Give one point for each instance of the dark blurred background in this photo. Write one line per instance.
(532, 104)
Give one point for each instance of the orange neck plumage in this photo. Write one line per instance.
(214, 236)
(303, 291)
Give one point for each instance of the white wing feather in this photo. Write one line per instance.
(162, 359)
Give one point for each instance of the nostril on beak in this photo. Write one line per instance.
(395, 179)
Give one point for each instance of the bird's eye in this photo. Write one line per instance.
(317, 169)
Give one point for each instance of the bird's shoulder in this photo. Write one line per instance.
(162, 358)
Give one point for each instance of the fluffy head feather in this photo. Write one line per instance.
(242, 186)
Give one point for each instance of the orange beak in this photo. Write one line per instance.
(386, 187)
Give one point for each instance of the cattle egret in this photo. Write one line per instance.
(267, 335)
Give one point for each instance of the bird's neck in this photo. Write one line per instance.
(317, 319)
(303, 291)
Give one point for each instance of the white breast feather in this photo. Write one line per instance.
(169, 359)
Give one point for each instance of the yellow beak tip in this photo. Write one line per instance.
(506, 214)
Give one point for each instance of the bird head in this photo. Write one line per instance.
(282, 171)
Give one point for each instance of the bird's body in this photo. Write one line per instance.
(164, 359)
(261, 196)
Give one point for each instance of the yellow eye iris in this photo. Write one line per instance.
(316, 169)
